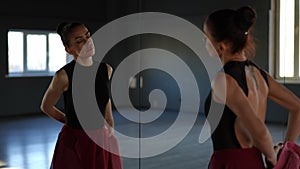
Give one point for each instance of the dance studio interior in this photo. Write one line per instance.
(160, 75)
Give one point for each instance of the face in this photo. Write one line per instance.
(81, 43)
(209, 43)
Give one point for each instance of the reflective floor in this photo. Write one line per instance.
(28, 142)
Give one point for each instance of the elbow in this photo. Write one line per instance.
(44, 108)
(294, 114)
(295, 108)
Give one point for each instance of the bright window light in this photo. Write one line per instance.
(15, 52)
(34, 53)
(286, 38)
(57, 53)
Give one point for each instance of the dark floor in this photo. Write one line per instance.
(28, 142)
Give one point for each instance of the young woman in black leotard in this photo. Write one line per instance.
(74, 148)
(241, 137)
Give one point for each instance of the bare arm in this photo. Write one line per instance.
(284, 97)
(238, 102)
(108, 115)
(57, 86)
(108, 110)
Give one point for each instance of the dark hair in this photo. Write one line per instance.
(64, 29)
(235, 27)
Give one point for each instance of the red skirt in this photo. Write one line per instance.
(76, 150)
(248, 158)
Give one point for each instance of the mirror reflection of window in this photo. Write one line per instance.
(15, 52)
(34, 53)
(57, 54)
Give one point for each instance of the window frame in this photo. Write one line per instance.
(26, 72)
(274, 50)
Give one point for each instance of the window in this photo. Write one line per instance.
(287, 64)
(34, 53)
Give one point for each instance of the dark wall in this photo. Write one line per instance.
(23, 95)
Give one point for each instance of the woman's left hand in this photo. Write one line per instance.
(111, 131)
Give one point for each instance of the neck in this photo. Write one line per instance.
(235, 57)
(84, 61)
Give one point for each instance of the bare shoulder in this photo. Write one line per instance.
(61, 75)
(226, 87)
(219, 86)
(60, 80)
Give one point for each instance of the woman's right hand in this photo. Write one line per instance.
(272, 162)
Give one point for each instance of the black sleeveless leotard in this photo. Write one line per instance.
(224, 135)
(102, 91)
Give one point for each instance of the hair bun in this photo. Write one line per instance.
(245, 17)
(60, 27)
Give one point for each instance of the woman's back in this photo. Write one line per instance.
(230, 132)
